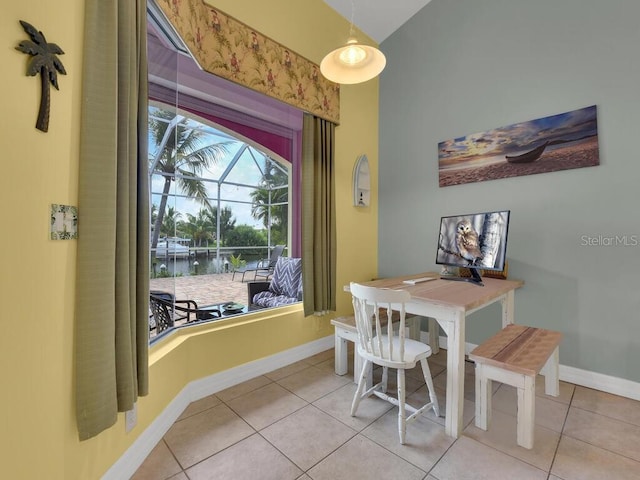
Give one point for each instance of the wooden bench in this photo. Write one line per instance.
(514, 356)
(345, 331)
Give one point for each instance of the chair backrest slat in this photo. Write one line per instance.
(276, 253)
(369, 303)
(160, 310)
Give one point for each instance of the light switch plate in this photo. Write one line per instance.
(64, 222)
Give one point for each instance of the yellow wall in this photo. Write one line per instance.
(38, 436)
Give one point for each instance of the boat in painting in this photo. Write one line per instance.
(527, 157)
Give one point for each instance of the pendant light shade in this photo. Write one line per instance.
(353, 63)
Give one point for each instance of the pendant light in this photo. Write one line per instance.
(353, 63)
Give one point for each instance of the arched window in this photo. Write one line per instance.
(224, 182)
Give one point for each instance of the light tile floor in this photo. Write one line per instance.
(294, 423)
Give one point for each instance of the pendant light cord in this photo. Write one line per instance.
(353, 10)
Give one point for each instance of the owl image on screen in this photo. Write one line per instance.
(468, 242)
(476, 241)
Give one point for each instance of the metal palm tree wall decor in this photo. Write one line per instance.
(46, 63)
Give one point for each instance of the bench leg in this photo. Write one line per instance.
(414, 327)
(433, 337)
(551, 375)
(342, 361)
(526, 412)
(483, 398)
(341, 357)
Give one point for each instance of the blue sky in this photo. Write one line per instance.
(247, 171)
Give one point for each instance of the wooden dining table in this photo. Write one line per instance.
(449, 303)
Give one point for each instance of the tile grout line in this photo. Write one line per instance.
(359, 433)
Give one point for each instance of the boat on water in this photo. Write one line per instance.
(527, 157)
(172, 248)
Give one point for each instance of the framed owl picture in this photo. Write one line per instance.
(476, 241)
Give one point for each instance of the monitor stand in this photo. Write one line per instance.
(475, 278)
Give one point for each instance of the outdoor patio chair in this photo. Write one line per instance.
(264, 268)
(165, 311)
(284, 288)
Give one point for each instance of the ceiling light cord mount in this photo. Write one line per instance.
(354, 62)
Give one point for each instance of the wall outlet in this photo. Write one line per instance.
(131, 418)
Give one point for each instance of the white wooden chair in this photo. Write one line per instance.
(388, 348)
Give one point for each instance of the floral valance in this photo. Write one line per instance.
(230, 49)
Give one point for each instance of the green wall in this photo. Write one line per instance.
(463, 66)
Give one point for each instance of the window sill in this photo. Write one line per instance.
(178, 336)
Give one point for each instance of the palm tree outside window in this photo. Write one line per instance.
(212, 193)
(181, 155)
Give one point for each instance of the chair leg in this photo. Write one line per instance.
(385, 379)
(361, 385)
(426, 372)
(358, 362)
(402, 415)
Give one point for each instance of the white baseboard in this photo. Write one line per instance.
(577, 376)
(131, 460)
(599, 381)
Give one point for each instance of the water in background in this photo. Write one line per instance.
(186, 266)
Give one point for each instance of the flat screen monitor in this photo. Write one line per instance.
(476, 241)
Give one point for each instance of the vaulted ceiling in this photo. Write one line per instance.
(377, 18)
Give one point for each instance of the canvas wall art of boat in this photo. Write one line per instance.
(528, 157)
(557, 142)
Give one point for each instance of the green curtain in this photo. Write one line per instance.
(111, 342)
(318, 216)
